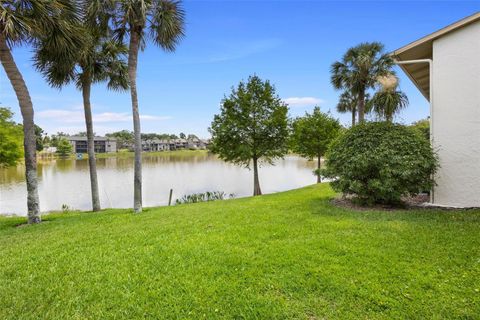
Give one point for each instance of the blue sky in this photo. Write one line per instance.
(291, 43)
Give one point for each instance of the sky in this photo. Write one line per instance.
(290, 43)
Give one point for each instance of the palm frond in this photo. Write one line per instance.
(387, 103)
(167, 23)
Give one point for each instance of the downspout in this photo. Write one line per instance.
(430, 65)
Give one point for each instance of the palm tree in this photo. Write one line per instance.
(100, 59)
(24, 22)
(161, 21)
(359, 70)
(387, 102)
(347, 102)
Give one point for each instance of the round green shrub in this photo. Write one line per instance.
(379, 162)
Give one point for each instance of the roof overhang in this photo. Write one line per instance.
(423, 49)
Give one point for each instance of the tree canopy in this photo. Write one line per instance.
(423, 127)
(313, 133)
(64, 147)
(359, 70)
(11, 139)
(252, 125)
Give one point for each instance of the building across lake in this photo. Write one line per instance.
(174, 144)
(109, 144)
(102, 144)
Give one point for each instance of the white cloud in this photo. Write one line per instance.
(76, 116)
(302, 101)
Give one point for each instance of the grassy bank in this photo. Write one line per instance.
(288, 255)
(125, 154)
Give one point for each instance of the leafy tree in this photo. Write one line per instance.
(252, 126)
(359, 70)
(11, 137)
(312, 134)
(64, 148)
(100, 59)
(192, 137)
(423, 127)
(380, 162)
(39, 141)
(149, 136)
(162, 21)
(182, 135)
(56, 137)
(46, 140)
(25, 22)
(124, 138)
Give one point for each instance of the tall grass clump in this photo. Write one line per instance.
(204, 196)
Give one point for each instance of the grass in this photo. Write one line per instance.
(289, 255)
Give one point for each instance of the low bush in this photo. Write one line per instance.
(380, 162)
(203, 197)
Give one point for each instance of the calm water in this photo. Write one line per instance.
(67, 181)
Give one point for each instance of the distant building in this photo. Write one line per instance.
(196, 143)
(180, 143)
(102, 144)
(152, 145)
(156, 145)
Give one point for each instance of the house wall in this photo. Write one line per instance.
(456, 116)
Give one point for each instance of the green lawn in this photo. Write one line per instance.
(284, 256)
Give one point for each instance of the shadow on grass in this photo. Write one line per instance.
(325, 207)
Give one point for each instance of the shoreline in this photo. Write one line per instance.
(118, 154)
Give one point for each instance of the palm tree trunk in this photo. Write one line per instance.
(354, 114)
(256, 183)
(29, 141)
(319, 165)
(92, 164)
(389, 117)
(132, 74)
(361, 106)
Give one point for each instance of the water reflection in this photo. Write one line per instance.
(66, 181)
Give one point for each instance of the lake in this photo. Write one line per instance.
(66, 181)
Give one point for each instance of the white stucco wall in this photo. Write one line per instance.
(456, 116)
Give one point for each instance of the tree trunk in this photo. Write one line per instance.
(361, 106)
(256, 183)
(319, 165)
(86, 87)
(132, 74)
(29, 141)
(354, 115)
